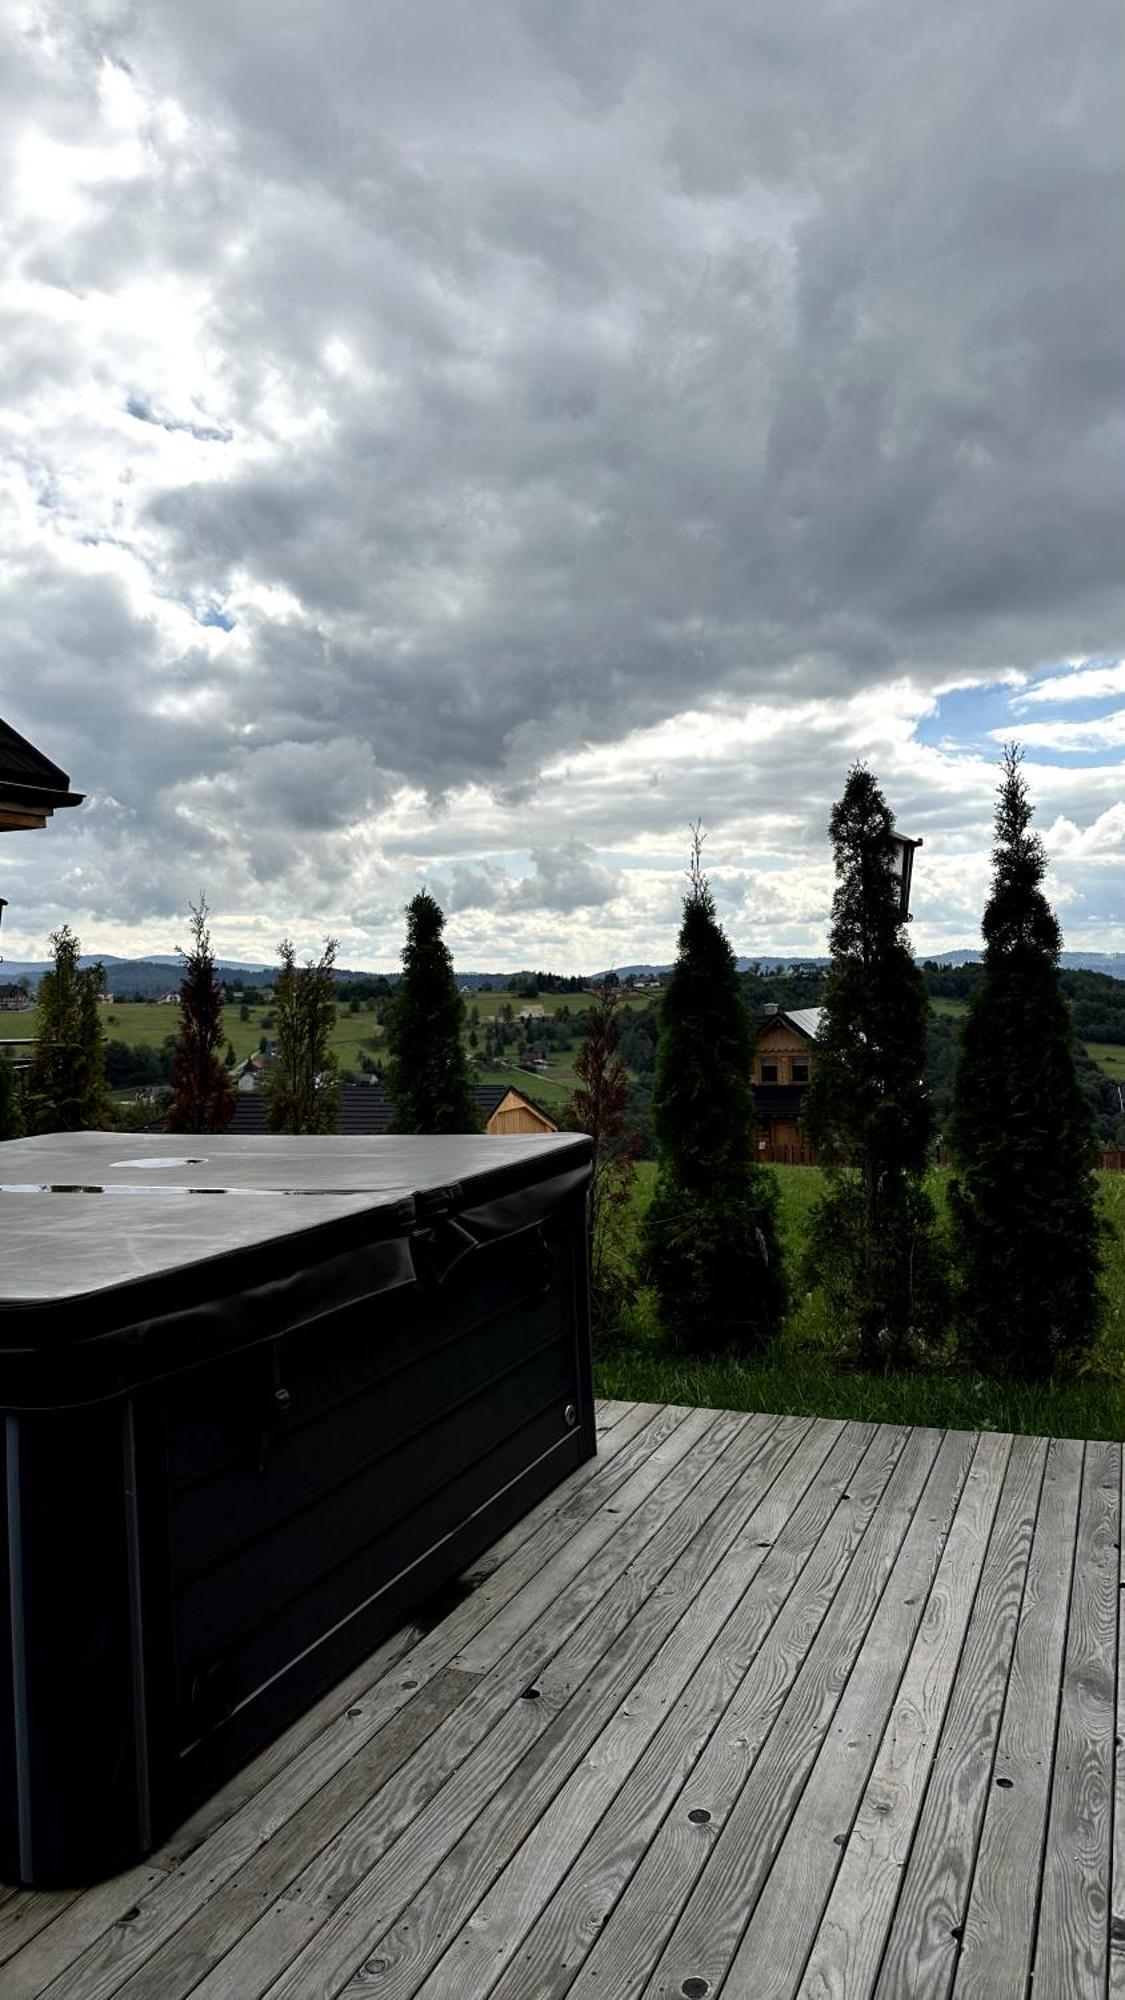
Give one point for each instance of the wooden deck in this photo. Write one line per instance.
(752, 1706)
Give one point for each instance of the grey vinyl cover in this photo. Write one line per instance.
(134, 1242)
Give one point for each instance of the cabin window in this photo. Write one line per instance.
(769, 1072)
(800, 1072)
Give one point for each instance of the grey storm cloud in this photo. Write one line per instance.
(559, 368)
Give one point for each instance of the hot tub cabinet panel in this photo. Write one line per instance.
(228, 1475)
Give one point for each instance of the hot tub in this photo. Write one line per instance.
(260, 1398)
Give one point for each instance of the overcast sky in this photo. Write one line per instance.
(464, 443)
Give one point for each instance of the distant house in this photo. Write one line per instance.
(14, 999)
(248, 1075)
(104, 999)
(169, 1000)
(782, 1073)
(366, 1110)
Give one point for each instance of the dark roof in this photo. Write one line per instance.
(365, 1108)
(779, 1100)
(28, 778)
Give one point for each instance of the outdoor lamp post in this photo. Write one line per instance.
(902, 868)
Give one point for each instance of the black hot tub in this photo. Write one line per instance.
(260, 1397)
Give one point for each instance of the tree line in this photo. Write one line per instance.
(1017, 1283)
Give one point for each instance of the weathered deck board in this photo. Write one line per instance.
(727, 1714)
(999, 1941)
(922, 1949)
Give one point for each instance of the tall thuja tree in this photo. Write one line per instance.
(428, 1065)
(302, 1089)
(1023, 1192)
(205, 1098)
(66, 1087)
(872, 1241)
(598, 1107)
(710, 1240)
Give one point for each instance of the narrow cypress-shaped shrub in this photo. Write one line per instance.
(1023, 1199)
(873, 1245)
(710, 1242)
(427, 1063)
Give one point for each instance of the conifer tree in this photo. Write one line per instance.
(1023, 1194)
(11, 1117)
(427, 1064)
(302, 1091)
(204, 1099)
(710, 1242)
(598, 1107)
(872, 1240)
(66, 1085)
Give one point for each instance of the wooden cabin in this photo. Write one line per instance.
(782, 1073)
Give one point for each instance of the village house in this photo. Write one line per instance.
(782, 1073)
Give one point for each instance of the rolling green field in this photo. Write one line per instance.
(806, 1373)
(146, 1023)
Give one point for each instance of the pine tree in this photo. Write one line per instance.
(11, 1117)
(301, 1087)
(598, 1107)
(1023, 1195)
(204, 1099)
(873, 1244)
(427, 1066)
(710, 1242)
(66, 1086)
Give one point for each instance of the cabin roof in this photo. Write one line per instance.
(806, 1020)
(365, 1108)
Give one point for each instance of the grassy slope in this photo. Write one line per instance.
(805, 1373)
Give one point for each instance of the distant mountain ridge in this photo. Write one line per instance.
(161, 973)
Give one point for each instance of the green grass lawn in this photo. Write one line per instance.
(942, 1005)
(806, 1372)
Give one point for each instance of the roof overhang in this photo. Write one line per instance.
(31, 786)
